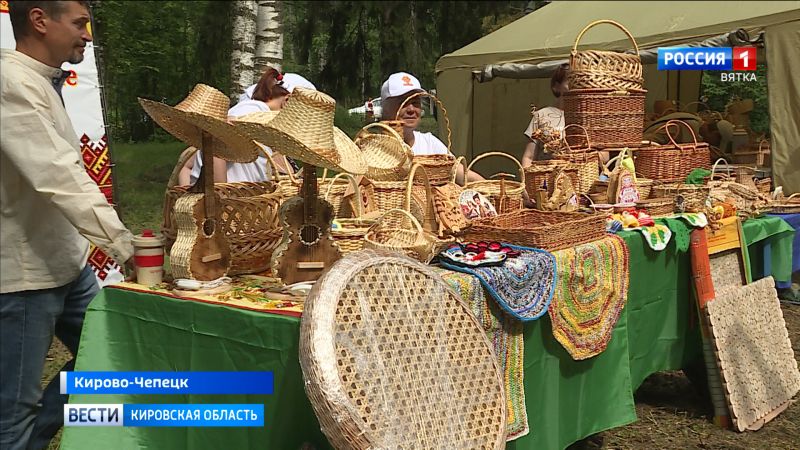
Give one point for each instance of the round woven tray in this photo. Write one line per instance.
(392, 358)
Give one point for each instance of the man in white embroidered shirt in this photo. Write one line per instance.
(49, 211)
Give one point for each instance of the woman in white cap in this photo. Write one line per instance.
(269, 94)
(398, 87)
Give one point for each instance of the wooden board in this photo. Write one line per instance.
(726, 238)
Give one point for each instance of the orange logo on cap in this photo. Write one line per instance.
(406, 80)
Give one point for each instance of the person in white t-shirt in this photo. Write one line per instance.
(398, 87)
(549, 119)
(270, 94)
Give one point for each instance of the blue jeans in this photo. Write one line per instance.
(28, 320)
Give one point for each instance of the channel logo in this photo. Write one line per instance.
(707, 58)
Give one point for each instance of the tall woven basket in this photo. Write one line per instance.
(414, 194)
(674, 161)
(613, 119)
(249, 219)
(599, 69)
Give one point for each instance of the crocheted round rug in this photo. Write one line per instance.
(591, 290)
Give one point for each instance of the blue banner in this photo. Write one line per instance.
(167, 383)
(695, 58)
(207, 415)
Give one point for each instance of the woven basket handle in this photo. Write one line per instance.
(505, 155)
(789, 198)
(384, 127)
(585, 134)
(611, 22)
(439, 104)
(684, 107)
(620, 156)
(678, 123)
(760, 145)
(185, 156)
(395, 211)
(459, 161)
(430, 212)
(275, 171)
(356, 189)
(714, 168)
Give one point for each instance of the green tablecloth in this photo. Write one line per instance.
(566, 400)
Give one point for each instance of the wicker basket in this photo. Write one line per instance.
(694, 196)
(438, 167)
(349, 236)
(543, 173)
(249, 219)
(401, 194)
(657, 206)
(788, 205)
(288, 184)
(540, 229)
(398, 230)
(260, 223)
(509, 193)
(612, 118)
(764, 185)
(580, 154)
(335, 188)
(673, 162)
(388, 156)
(597, 69)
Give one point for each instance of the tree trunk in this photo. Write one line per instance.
(244, 43)
(269, 36)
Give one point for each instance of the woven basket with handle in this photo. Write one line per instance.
(388, 157)
(249, 218)
(413, 194)
(509, 193)
(438, 167)
(674, 161)
(349, 236)
(398, 230)
(579, 152)
(599, 69)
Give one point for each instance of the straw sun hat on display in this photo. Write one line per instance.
(204, 109)
(304, 130)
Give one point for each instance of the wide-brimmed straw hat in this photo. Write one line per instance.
(204, 109)
(304, 130)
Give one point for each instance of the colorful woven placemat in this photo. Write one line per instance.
(591, 290)
(505, 334)
(523, 286)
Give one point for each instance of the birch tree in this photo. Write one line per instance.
(269, 36)
(244, 43)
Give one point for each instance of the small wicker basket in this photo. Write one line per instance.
(388, 156)
(657, 207)
(512, 191)
(675, 161)
(583, 158)
(398, 230)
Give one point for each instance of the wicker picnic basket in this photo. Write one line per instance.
(549, 230)
(613, 119)
(399, 231)
(600, 69)
(510, 192)
(388, 156)
(392, 358)
(249, 219)
(673, 162)
(585, 159)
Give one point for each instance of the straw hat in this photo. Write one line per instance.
(304, 130)
(204, 109)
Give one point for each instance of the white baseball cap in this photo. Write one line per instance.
(398, 84)
(293, 80)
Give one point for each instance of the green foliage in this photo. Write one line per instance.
(719, 94)
(140, 176)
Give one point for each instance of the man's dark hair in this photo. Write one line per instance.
(18, 11)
